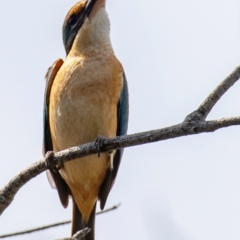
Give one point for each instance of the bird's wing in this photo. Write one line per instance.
(122, 124)
(54, 176)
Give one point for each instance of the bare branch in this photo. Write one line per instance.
(53, 225)
(194, 123)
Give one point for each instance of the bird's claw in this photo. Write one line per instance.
(99, 143)
(49, 161)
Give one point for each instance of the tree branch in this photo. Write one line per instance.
(53, 225)
(194, 123)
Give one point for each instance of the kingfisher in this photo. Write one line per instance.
(86, 97)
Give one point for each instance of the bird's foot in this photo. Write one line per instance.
(99, 143)
(49, 161)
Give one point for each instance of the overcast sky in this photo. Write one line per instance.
(174, 53)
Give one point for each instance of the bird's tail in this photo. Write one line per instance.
(77, 223)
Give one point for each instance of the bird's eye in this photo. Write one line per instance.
(72, 21)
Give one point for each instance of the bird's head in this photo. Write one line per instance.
(86, 24)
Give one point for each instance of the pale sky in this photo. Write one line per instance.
(174, 53)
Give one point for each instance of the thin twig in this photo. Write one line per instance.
(53, 225)
(109, 209)
(78, 235)
(194, 123)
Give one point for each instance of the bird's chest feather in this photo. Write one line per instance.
(83, 101)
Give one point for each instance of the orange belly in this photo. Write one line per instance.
(83, 105)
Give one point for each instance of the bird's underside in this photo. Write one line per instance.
(86, 97)
(83, 106)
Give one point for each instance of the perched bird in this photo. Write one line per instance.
(86, 96)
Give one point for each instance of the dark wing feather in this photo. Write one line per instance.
(122, 124)
(63, 190)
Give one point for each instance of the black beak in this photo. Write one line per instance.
(89, 6)
(79, 20)
(86, 12)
